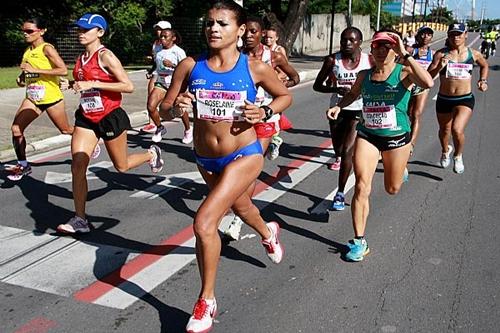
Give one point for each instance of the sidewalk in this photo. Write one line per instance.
(43, 136)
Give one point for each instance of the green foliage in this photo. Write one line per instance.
(442, 15)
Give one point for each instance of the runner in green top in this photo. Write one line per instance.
(384, 127)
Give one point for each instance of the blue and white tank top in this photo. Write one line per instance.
(425, 61)
(220, 95)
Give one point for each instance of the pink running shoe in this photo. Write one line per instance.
(149, 128)
(335, 165)
(203, 316)
(274, 249)
(188, 136)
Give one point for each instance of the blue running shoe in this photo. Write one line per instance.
(358, 249)
(406, 176)
(338, 202)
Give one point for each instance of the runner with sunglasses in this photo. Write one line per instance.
(100, 79)
(384, 127)
(41, 67)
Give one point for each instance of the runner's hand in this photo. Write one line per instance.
(64, 84)
(399, 46)
(79, 86)
(444, 61)
(333, 113)
(252, 113)
(482, 85)
(27, 67)
(20, 80)
(183, 103)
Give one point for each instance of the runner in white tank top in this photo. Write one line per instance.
(340, 71)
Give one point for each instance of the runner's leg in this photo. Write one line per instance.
(118, 152)
(25, 115)
(461, 117)
(83, 142)
(365, 160)
(395, 161)
(57, 114)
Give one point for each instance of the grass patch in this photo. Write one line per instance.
(8, 75)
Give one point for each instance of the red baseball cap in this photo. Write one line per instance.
(383, 36)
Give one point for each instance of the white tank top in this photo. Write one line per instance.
(263, 98)
(346, 78)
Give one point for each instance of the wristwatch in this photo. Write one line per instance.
(268, 112)
(406, 56)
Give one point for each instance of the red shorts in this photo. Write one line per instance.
(265, 130)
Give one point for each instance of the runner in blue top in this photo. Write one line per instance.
(423, 54)
(384, 127)
(223, 86)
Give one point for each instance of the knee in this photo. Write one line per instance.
(151, 107)
(392, 189)
(204, 227)
(121, 168)
(16, 130)
(67, 130)
(456, 131)
(362, 190)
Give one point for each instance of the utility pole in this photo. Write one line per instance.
(378, 14)
(332, 27)
(483, 8)
(473, 8)
(350, 13)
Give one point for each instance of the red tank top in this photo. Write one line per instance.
(95, 104)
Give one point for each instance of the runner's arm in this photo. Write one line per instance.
(280, 61)
(58, 65)
(178, 85)
(323, 75)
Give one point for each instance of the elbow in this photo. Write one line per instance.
(129, 88)
(429, 83)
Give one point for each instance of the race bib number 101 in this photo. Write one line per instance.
(220, 105)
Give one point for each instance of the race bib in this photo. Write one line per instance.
(35, 92)
(220, 105)
(379, 117)
(458, 71)
(91, 101)
(423, 63)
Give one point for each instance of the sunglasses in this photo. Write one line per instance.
(30, 31)
(387, 45)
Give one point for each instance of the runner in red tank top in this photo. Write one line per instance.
(101, 79)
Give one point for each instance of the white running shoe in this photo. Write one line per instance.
(188, 136)
(203, 316)
(156, 163)
(272, 245)
(234, 228)
(75, 225)
(445, 158)
(160, 132)
(273, 151)
(97, 151)
(458, 167)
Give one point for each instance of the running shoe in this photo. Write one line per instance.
(458, 166)
(338, 202)
(160, 132)
(97, 151)
(234, 228)
(149, 128)
(272, 245)
(335, 166)
(74, 225)
(156, 163)
(273, 151)
(18, 171)
(358, 249)
(188, 136)
(406, 175)
(202, 319)
(445, 157)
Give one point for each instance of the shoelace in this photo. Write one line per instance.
(200, 309)
(77, 223)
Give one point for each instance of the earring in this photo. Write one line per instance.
(239, 43)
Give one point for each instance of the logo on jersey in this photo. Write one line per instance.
(79, 74)
(218, 85)
(199, 82)
(396, 143)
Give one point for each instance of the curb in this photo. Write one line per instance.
(136, 119)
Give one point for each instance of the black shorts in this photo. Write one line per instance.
(109, 127)
(44, 107)
(384, 143)
(446, 104)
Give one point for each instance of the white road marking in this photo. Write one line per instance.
(52, 177)
(68, 265)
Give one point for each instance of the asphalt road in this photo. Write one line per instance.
(434, 265)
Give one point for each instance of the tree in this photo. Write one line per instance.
(442, 15)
